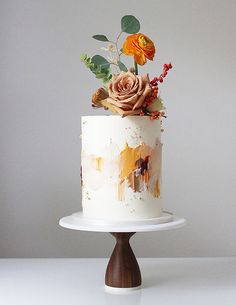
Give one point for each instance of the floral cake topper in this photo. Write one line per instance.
(125, 91)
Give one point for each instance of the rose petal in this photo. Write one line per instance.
(147, 91)
(119, 104)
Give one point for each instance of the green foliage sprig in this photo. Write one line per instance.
(129, 25)
(99, 66)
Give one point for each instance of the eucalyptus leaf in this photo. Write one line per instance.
(100, 75)
(99, 66)
(100, 37)
(89, 65)
(100, 61)
(122, 66)
(130, 24)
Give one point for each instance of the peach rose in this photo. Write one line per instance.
(127, 92)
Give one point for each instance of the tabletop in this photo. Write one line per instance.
(185, 281)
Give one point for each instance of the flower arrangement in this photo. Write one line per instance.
(124, 91)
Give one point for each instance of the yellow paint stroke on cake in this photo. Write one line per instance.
(156, 190)
(140, 167)
(121, 190)
(98, 163)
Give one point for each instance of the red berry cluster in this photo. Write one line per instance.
(154, 93)
(151, 97)
(154, 82)
(157, 115)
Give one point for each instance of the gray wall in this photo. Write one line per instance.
(45, 89)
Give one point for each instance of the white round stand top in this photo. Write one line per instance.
(78, 222)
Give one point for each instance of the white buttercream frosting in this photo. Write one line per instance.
(104, 138)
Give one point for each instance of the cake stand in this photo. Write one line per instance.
(122, 273)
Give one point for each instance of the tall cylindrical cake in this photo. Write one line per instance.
(121, 167)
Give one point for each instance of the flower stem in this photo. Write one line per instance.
(135, 67)
(118, 36)
(116, 44)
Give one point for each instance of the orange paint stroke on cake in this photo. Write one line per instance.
(129, 156)
(140, 167)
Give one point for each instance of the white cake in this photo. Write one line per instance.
(121, 167)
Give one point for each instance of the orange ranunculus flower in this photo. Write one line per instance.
(140, 46)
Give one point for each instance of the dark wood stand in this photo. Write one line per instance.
(123, 269)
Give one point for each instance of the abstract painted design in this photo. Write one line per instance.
(140, 166)
(137, 168)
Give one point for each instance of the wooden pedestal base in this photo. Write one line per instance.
(123, 269)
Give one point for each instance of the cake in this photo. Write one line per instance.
(121, 167)
(121, 152)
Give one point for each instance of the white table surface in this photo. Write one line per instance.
(180, 281)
